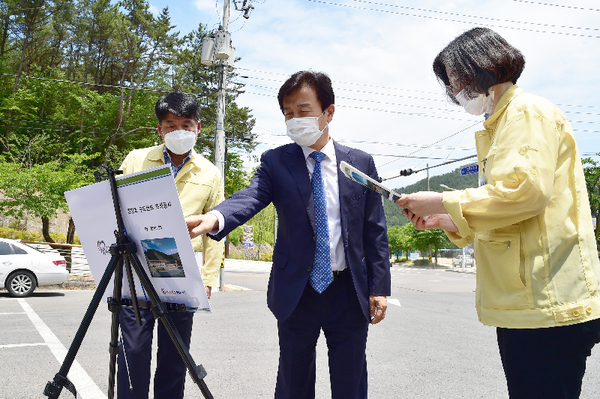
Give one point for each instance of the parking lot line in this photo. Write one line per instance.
(394, 301)
(85, 386)
(22, 345)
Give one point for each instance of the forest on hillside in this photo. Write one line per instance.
(79, 80)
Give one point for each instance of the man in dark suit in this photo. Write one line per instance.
(331, 268)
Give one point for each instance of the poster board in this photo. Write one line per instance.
(153, 219)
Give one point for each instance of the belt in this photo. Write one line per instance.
(337, 274)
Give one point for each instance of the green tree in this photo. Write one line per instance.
(264, 225)
(83, 76)
(39, 190)
(401, 238)
(236, 176)
(393, 214)
(592, 181)
(435, 238)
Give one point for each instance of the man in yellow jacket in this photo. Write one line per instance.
(200, 188)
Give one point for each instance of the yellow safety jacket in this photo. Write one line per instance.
(535, 249)
(200, 188)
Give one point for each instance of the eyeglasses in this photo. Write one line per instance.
(456, 86)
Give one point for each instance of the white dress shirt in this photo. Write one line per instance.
(329, 171)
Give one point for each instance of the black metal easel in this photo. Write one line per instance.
(123, 254)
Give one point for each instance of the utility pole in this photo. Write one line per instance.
(218, 47)
(219, 150)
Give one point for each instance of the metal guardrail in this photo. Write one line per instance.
(76, 261)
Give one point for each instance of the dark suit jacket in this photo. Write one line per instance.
(283, 179)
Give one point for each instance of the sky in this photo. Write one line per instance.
(164, 245)
(378, 54)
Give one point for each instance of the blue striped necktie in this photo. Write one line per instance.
(321, 275)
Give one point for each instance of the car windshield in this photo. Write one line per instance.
(30, 247)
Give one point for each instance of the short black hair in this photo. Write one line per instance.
(317, 80)
(480, 58)
(179, 104)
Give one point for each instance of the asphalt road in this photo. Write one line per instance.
(429, 346)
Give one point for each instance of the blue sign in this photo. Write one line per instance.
(467, 170)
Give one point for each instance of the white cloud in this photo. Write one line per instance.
(380, 63)
(207, 5)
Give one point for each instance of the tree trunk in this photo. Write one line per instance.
(4, 38)
(598, 230)
(71, 231)
(46, 229)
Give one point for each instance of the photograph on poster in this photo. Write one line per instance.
(162, 257)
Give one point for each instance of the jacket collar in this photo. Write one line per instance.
(510, 94)
(156, 155)
(296, 163)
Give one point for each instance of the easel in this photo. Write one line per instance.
(123, 254)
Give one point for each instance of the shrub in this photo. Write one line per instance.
(16, 234)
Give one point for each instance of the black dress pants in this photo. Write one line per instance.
(546, 363)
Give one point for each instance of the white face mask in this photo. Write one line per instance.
(304, 131)
(481, 104)
(180, 141)
(476, 106)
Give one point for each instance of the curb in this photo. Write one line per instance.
(88, 283)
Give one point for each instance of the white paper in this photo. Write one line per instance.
(154, 220)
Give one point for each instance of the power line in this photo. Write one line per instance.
(425, 115)
(83, 83)
(273, 89)
(429, 115)
(66, 130)
(333, 81)
(268, 88)
(453, 20)
(474, 16)
(557, 5)
(402, 105)
(386, 143)
(446, 110)
(439, 141)
(78, 127)
(411, 171)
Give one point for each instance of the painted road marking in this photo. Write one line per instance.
(86, 388)
(394, 301)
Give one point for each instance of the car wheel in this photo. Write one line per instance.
(21, 283)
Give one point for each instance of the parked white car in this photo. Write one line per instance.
(469, 261)
(22, 268)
